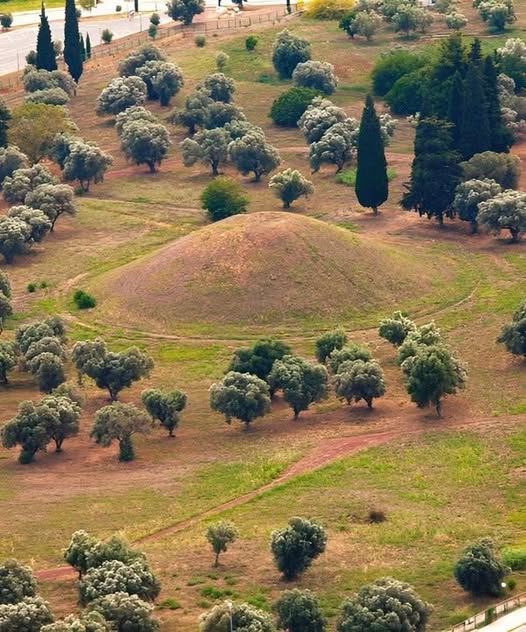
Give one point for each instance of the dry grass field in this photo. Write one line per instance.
(294, 275)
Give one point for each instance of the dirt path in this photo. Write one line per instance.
(329, 451)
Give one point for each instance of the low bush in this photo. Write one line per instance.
(223, 198)
(200, 41)
(287, 109)
(83, 300)
(515, 558)
(251, 42)
(328, 9)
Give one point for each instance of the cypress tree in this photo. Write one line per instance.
(456, 108)
(5, 116)
(475, 52)
(88, 46)
(72, 52)
(46, 59)
(501, 138)
(475, 132)
(435, 172)
(372, 186)
(82, 48)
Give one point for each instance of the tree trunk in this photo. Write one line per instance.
(474, 227)
(58, 444)
(438, 407)
(514, 235)
(257, 175)
(215, 172)
(151, 166)
(113, 394)
(369, 401)
(286, 204)
(216, 563)
(296, 413)
(375, 210)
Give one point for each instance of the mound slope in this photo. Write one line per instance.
(267, 267)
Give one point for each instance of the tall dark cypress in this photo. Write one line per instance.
(456, 108)
(5, 117)
(501, 137)
(46, 59)
(372, 186)
(475, 133)
(475, 52)
(82, 49)
(88, 46)
(72, 52)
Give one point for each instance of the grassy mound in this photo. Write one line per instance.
(263, 268)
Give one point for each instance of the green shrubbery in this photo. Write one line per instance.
(287, 109)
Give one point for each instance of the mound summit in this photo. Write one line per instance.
(266, 267)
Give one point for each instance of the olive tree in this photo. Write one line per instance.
(119, 422)
(15, 236)
(241, 396)
(366, 24)
(8, 360)
(220, 534)
(209, 146)
(16, 582)
(289, 185)
(120, 94)
(427, 335)
(358, 380)
(318, 75)
(302, 383)
(239, 616)
(185, 10)
(163, 80)
(6, 308)
(431, 374)
(319, 116)
(505, 211)
(111, 370)
(37, 80)
(38, 222)
(145, 143)
(131, 115)
(288, 51)
(219, 87)
(27, 334)
(497, 13)
(28, 430)
(126, 613)
(11, 159)
(328, 342)
(479, 569)
(386, 604)
(512, 61)
(299, 611)
(253, 154)
(87, 163)
(335, 147)
(503, 168)
(219, 114)
(62, 417)
(138, 58)
(53, 200)
(115, 576)
(468, 196)
(295, 547)
(88, 622)
(22, 181)
(28, 615)
(455, 20)
(259, 358)
(396, 328)
(76, 553)
(164, 407)
(513, 335)
(195, 112)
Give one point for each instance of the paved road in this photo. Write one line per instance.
(513, 622)
(15, 44)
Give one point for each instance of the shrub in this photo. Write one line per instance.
(299, 611)
(479, 570)
(513, 336)
(295, 547)
(31, 287)
(328, 9)
(222, 198)
(251, 42)
(52, 96)
(288, 108)
(152, 31)
(376, 516)
(329, 342)
(221, 60)
(455, 20)
(16, 582)
(200, 41)
(106, 36)
(318, 75)
(155, 19)
(503, 168)
(83, 300)
(6, 20)
(389, 68)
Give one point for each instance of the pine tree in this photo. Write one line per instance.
(5, 116)
(372, 186)
(82, 48)
(475, 132)
(501, 137)
(451, 60)
(46, 59)
(88, 46)
(72, 52)
(435, 172)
